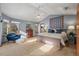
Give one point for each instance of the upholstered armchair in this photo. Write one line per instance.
(13, 37)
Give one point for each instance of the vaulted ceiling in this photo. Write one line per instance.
(29, 11)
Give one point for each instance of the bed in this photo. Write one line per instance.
(52, 38)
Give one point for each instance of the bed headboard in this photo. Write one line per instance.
(57, 30)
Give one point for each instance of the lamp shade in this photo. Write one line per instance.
(71, 27)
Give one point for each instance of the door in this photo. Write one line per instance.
(77, 31)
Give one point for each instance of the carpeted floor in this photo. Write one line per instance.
(33, 48)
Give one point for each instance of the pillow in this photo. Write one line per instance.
(51, 31)
(58, 31)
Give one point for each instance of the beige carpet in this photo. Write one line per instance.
(33, 48)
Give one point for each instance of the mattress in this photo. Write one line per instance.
(54, 36)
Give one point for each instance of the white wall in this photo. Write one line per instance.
(0, 33)
(0, 10)
(0, 28)
(69, 20)
(22, 23)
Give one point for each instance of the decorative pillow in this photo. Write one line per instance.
(51, 31)
(58, 31)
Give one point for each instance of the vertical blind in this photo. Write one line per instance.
(57, 22)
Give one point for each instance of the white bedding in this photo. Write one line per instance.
(54, 35)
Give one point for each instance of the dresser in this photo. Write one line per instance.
(29, 33)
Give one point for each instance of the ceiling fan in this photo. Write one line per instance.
(66, 10)
(38, 16)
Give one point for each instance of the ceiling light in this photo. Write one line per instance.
(38, 12)
(38, 16)
(71, 27)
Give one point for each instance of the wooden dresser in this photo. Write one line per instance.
(29, 33)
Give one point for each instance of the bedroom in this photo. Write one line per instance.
(46, 26)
